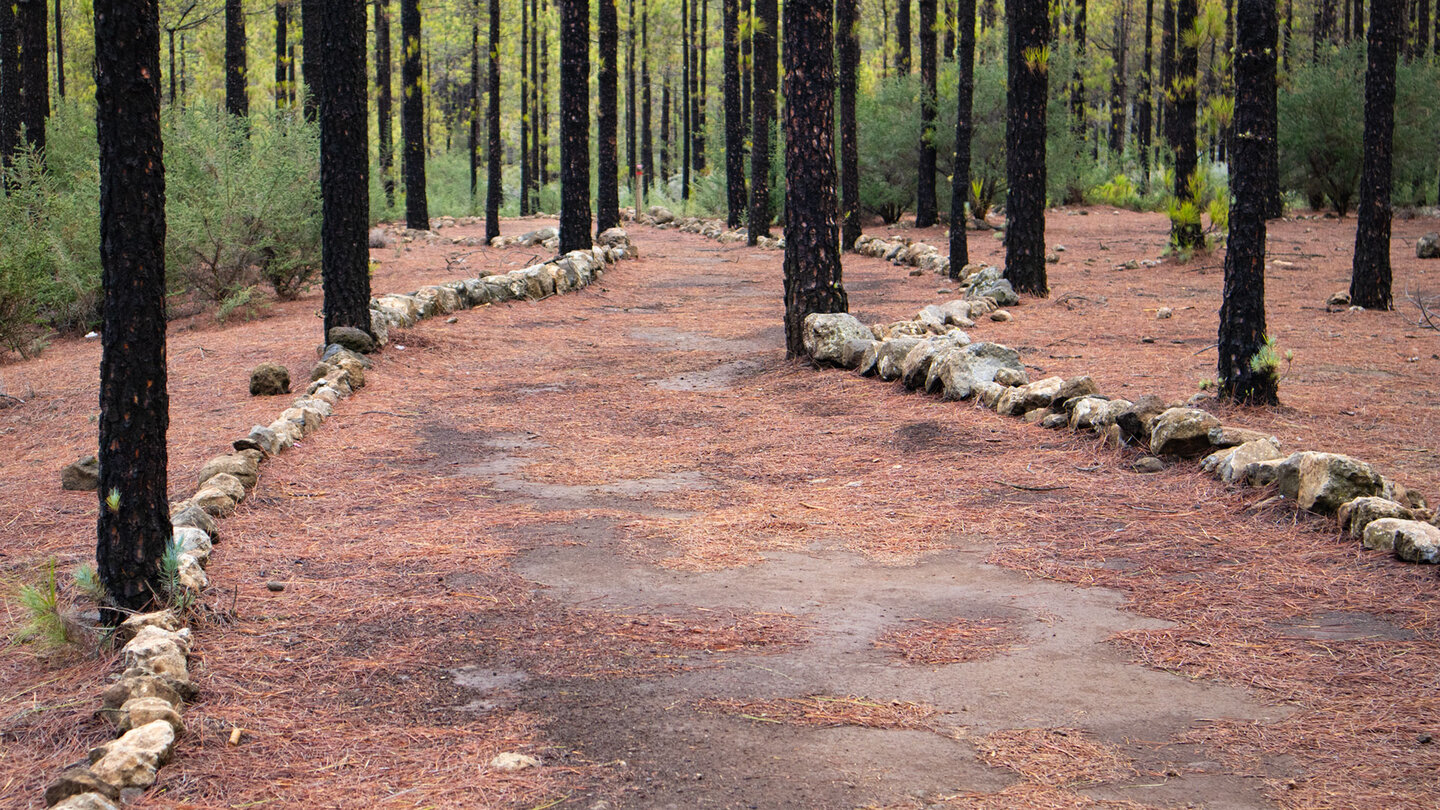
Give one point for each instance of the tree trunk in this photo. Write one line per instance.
(812, 237)
(949, 43)
(964, 128)
(383, 100)
(133, 529)
(474, 116)
(687, 68)
(542, 170)
(1028, 24)
(574, 125)
(632, 158)
(1118, 90)
(35, 70)
(282, 24)
(59, 51)
(701, 98)
(525, 162)
(647, 136)
(767, 19)
(847, 21)
(1270, 140)
(10, 84)
(1370, 273)
(902, 37)
(492, 164)
(925, 205)
(1242, 311)
(734, 124)
(345, 167)
(237, 97)
(535, 98)
(1077, 81)
(1185, 230)
(1145, 124)
(607, 162)
(747, 69)
(412, 118)
(1167, 75)
(310, 53)
(697, 124)
(665, 106)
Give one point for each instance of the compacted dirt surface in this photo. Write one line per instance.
(619, 532)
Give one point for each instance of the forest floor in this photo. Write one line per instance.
(618, 531)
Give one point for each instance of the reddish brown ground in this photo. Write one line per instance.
(403, 527)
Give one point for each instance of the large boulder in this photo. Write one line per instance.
(1181, 432)
(1229, 463)
(443, 300)
(1134, 421)
(269, 379)
(1428, 247)
(886, 353)
(854, 351)
(1025, 398)
(1410, 540)
(825, 335)
(1327, 481)
(1361, 512)
(915, 370)
(132, 760)
(82, 475)
(356, 340)
(957, 374)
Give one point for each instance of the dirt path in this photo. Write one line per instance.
(619, 532)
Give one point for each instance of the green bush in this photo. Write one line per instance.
(888, 124)
(242, 203)
(987, 139)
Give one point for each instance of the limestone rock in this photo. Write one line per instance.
(1054, 420)
(511, 761)
(1330, 480)
(1230, 436)
(1182, 432)
(825, 335)
(988, 393)
(1011, 376)
(887, 353)
(137, 712)
(1081, 386)
(1428, 247)
(189, 574)
(228, 484)
(853, 352)
(75, 782)
(356, 340)
(82, 475)
(95, 800)
(335, 354)
(1134, 421)
(1361, 512)
(1410, 540)
(163, 619)
(956, 374)
(915, 369)
(131, 687)
(193, 516)
(132, 760)
(1038, 394)
(243, 469)
(213, 501)
(154, 651)
(1001, 316)
(1229, 463)
(989, 283)
(1282, 473)
(260, 438)
(1148, 464)
(1094, 412)
(269, 379)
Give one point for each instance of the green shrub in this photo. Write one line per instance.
(888, 123)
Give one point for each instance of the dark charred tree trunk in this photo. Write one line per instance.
(345, 167)
(887, 57)
(1242, 312)
(734, 124)
(1167, 74)
(525, 162)
(647, 135)
(133, 529)
(574, 125)
(964, 129)
(544, 123)
(925, 205)
(10, 84)
(311, 44)
(632, 158)
(696, 127)
(767, 19)
(237, 97)
(1118, 89)
(1185, 230)
(1145, 125)
(1270, 139)
(607, 163)
(1289, 32)
(700, 97)
(282, 32)
(535, 103)
(59, 51)
(384, 100)
(1370, 274)
(412, 118)
(902, 37)
(949, 42)
(1028, 25)
(665, 106)
(1077, 81)
(492, 163)
(812, 233)
(35, 69)
(474, 103)
(847, 35)
(747, 69)
(290, 78)
(1422, 29)
(687, 68)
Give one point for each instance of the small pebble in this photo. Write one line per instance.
(275, 587)
(1147, 340)
(1000, 315)
(1149, 464)
(452, 320)
(917, 272)
(1162, 313)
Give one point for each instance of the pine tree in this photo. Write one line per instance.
(926, 207)
(631, 157)
(1027, 58)
(847, 20)
(474, 107)
(763, 43)
(492, 180)
(412, 118)
(59, 51)
(282, 25)
(1370, 276)
(311, 45)
(30, 16)
(1185, 230)
(526, 164)
(607, 162)
(133, 529)
(1145, 123)
(812, 237)
(964, 127)
(10, 85)
(1242, 313)
(574, 125)
(902, 37)
(734, 123)
(383, 100)
(345, 167)
(1077, 81)
(647, 136)
(237, 98)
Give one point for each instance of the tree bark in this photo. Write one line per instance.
(474, 116)
(412, 118)
(536, 95)
(34, 70)
(734, 123)
(687, 68)
(665, 106)
(282, 25)
(384, 115)
(1242, 311)
(526, 164)
(310, 53)
(812, 233)
(1118, 89)
(574, 125)
(59, 51)
(902, 37)
(1370, 277)
(237, 97)
(1167, 74)
(647, 136)
(1270, 176)
(925, 206)
(847, 20)
(1145, 124)
(1185, 230)
(133, 529)
(1028, 24)
(10, 84)
(697, 124)
(607, 163)
(767, 19)
(702, 97)
(631, 157)
(964, 128)
(492, 165)
(345, 167)
(1077, 81)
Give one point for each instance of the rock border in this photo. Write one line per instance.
(147, 700)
